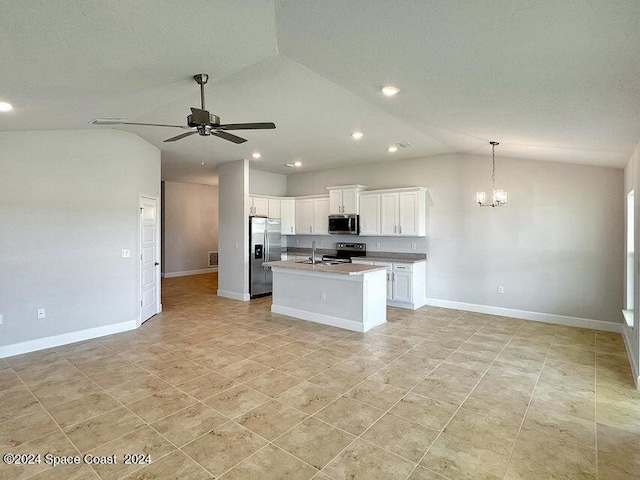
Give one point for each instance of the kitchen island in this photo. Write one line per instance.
(342, 295)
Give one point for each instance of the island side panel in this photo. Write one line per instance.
(374, 302)
(331, 299)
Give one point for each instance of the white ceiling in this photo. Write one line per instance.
(552, 81)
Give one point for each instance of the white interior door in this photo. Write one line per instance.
(149, 291)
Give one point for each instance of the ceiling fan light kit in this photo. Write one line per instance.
(499, 197)
(200, 121)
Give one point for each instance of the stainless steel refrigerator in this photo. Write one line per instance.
(264, 246)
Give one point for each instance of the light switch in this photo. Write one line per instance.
(126, 253)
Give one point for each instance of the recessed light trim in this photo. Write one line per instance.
(357, 135)
(256, 155)
(5, 107)
(390, 90)
(297, 163)
(392, 149)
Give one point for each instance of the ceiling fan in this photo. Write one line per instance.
(200, 121)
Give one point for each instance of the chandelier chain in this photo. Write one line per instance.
(493, 171)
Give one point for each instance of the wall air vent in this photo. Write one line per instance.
(213, 259)
(404, 145)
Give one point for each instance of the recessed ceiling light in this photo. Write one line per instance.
(203, 164)
(5, 107)
(357, 135)
(390, 90)
(256, 155)
(392, 149)
(297, 163)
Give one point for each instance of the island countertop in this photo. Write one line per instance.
(341, 268)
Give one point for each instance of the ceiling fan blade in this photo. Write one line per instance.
(200, 117)
(248, 126)
(182, 135)
(229, 136)
(153, 124)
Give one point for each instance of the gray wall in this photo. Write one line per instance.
(69, 202)
(556, 247)
(267, 183)
(190, 227)
(632, 334)
(233, 224)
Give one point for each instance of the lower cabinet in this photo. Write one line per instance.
(405, 282)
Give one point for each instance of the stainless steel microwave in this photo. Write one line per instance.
(344, 224)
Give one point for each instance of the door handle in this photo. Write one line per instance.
(156, 264)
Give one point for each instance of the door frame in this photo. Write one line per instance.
(158, 255)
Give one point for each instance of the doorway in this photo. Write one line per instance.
(149, 256)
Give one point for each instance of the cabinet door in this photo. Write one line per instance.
(370, 214)
(402, 287)
(304, 217)
(321, 216)
(389, 214)
(335, 202)
(350, 201)
(261, 206)
(408, 209)
(274, 208)
(287, 216)
(389, 278)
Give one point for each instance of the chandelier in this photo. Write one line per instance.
(499, 196)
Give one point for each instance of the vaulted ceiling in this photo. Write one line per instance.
(552, 81)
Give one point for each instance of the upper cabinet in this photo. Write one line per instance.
(259, 206)
(288, 216)
(312, 216)
(344, 199)
(397, 212)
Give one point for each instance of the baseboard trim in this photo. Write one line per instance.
(186, 273)
(323, 319)
(66, 338)
(243, 297)
(408, 306)
(634, 367)
(528, 315)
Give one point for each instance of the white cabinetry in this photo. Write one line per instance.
(405, 282)
(274, 208)
(312, 216)
(288, 216)
(259, 206)
(344, 199)
(398, 212)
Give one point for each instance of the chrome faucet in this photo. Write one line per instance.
(313, 252)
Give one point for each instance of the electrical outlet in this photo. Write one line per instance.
(414, 245)
(297, 242)
(42, 313)
(126, 253)
(378, 244)
(324, 295)
(500, 289)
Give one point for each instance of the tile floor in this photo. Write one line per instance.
(215, 388)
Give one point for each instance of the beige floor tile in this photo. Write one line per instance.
(378, 394)
(337, 380)
(16, 402)
(308, 397)
(421, 473)
(427, 411)
(245, 370)
(302, 368)
(577, 405)
(401, 436)
(361, 366)
(249, 349)
(271, 463)
(181, 373)
(83, 408)
(327, 356)
(618, 453)
(444, 390)
(176, 465)
(364, 461)
(456, 458)
(236, 401)
(557, 424)
(144, 441)
(315, 442)
(350, 415)
(273, 383)
(67, 472)
(188, 424)
(398, 376)
(162, 362)
(103, 428)
(218, 359)
(55, 393)
(484, 430)
(136, 389)
(161, 404)
(462, 375)
(26, 428)
(111, 378)
(207, 385)
(224, 447)
(275, 358)
(271, 419)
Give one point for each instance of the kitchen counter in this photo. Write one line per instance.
(340, 268)
(394, 257)
(344, 295)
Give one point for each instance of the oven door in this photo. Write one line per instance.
(343, 225)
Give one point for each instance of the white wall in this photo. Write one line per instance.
(190, 226)
(267, 183)
(632, 334)
(233, 225)
(69, 202)
(556, 247)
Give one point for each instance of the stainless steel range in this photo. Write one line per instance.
(345, 251)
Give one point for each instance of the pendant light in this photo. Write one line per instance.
(499, 196)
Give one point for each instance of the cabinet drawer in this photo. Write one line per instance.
(402, 267)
